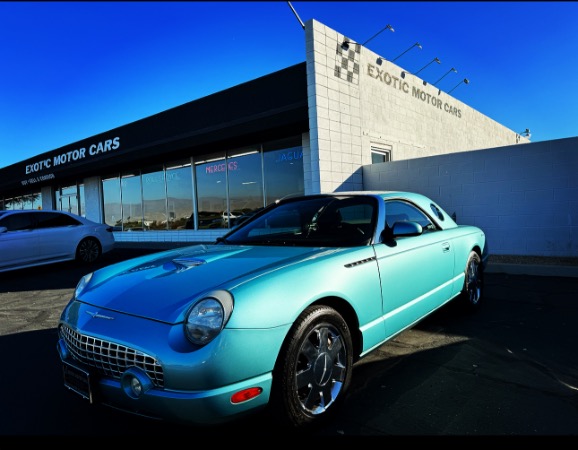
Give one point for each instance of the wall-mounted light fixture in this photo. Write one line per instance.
(387, 27)
(417, 44)
(465, 80)
(451, 70)
(345, 44)
(437, 60)
(526, 133)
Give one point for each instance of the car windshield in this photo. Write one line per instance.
(327, 221)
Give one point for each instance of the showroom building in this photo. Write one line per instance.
(189, 173)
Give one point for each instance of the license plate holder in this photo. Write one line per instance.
(77, 380)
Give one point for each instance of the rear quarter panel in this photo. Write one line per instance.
(464, 239)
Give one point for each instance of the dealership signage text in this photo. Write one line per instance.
(398, 83)
(74, 155)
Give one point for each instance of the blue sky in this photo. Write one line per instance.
(70, 70)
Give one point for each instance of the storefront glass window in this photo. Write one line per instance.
(226, 187)
(67, 199)
(112, 208)
(16, 203)
(131, 193)
(154, 199)
(283, 168)
(245, 172)
(29, 201)
(211, 180)
(180, 195)
(32, 201)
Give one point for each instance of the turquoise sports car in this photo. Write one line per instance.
(272, 315)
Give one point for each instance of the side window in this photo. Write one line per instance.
(397, 210)
(437, 212)
(17, 222)
(53, 220)
(360, 216)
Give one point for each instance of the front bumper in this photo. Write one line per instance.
(193, 407)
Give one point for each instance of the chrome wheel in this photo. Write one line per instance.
(314, 367)
(321, 369)
(474, 281)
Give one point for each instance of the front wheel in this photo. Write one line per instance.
(473, 288)
(314, 368)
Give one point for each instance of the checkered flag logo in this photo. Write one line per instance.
(347, 62)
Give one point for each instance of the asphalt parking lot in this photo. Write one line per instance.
(509, 370)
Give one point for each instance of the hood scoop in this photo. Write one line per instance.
(205, 256)
(189, 262)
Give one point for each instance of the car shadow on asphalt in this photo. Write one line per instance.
(493, 373)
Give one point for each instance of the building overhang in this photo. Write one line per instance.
(269, 107)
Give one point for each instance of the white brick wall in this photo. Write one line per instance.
(525, 197)
(372, 106)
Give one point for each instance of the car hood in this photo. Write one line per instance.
(162, 285)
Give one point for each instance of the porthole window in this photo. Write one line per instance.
(437, 212)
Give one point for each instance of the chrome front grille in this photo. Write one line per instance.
(108, 358)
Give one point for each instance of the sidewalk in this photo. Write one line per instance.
(533, 265)
(542, 270)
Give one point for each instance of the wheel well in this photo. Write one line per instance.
(478, 250)
(89, 238)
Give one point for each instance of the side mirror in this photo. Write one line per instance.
(3, 230)
(406, 228)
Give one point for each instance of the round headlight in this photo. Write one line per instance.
(208, 316)
(82, 284)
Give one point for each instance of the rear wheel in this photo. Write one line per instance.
(88, 251)
(314, 368)
(473, 289)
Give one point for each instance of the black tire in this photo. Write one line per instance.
(88, 251)
(314, 369)
(473, 290)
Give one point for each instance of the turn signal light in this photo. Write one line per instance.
(246, 394)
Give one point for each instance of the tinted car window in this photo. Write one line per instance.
(17, 222)
(53, 219)
(316, 221)
(399, 211)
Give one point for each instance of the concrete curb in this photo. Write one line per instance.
(541, 270)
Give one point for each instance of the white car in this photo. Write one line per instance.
(35, 237)
(230, 216)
